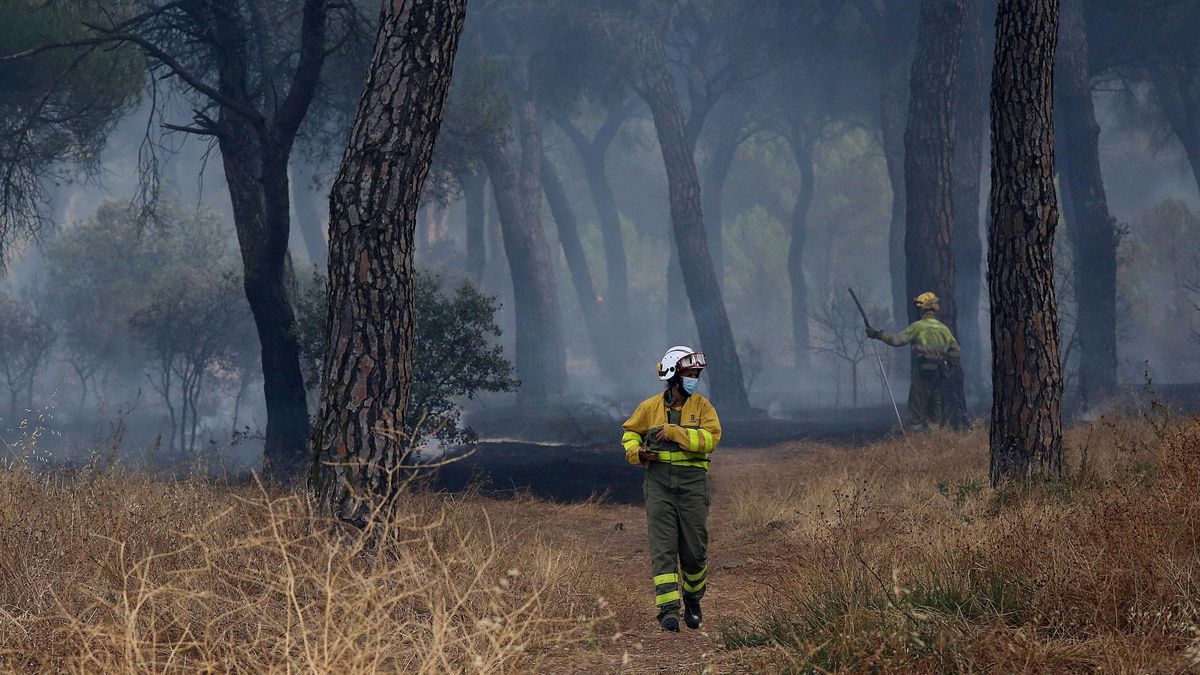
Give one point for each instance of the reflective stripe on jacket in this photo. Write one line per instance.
(697, 434)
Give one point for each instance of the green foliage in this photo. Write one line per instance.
(961, 491)
(166, 298)
(454, 354)
(26, 340)
(57, 106)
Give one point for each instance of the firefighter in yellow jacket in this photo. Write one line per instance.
(672, 434)
(934, 344)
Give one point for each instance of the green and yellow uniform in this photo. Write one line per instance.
(933, 343)
(676, 491)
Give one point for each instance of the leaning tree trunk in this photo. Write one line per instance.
(802, 151)
(1026, 433)
(1092, 230)
(970, 109)
(594, 155)
(700, 279)
(716, 172)
(928, 154)
(359, 442)
(577, 264)
(540, 352)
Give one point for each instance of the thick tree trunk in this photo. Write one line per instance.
(1026, 433)
(577, 264)
(258, 191)
(970, 109)
(474, 187)
(1092, 230)
(540, 353)
(928, 154)
(895, 54)
(359, 444)
(802, 151)
(700, 279)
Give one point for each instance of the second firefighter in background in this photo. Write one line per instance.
(935, 349)
(672, 434)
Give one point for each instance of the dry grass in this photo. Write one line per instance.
(118, 573)
(886, 558)
(901, 559)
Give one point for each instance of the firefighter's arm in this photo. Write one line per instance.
(887, 338)
(631, 439)
(703, 439)
(900, 340)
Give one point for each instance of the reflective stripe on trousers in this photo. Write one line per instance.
(677, 502)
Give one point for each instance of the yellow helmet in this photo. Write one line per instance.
(927, 301)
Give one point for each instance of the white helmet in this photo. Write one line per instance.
(679, 358)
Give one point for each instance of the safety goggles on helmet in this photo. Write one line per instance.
(680, 357)
(694, 360)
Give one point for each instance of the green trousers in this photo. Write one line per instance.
(677, 499)
(925, 398)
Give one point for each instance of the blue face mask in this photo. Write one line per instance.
(689, 384)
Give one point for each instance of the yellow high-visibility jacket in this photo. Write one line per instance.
(697, 434)
(930, 338)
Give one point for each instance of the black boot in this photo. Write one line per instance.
(669, 622)
(692, 615)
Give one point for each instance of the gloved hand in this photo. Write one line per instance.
(874, 333)
(646, 456)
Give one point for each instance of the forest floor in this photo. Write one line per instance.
(885, 555)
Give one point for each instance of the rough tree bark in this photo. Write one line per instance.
(1026, 432)
(928, 154)
(516, 185)
(1092, 230)
(654, 84)
(358, 443)
(970, 110)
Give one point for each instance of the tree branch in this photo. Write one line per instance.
(308, 71)
(157, 53)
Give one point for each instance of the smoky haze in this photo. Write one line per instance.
(785, 109)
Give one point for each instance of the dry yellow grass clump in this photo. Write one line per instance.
(120, 573)
(900, 558)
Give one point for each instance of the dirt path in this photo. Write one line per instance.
(741, 564)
